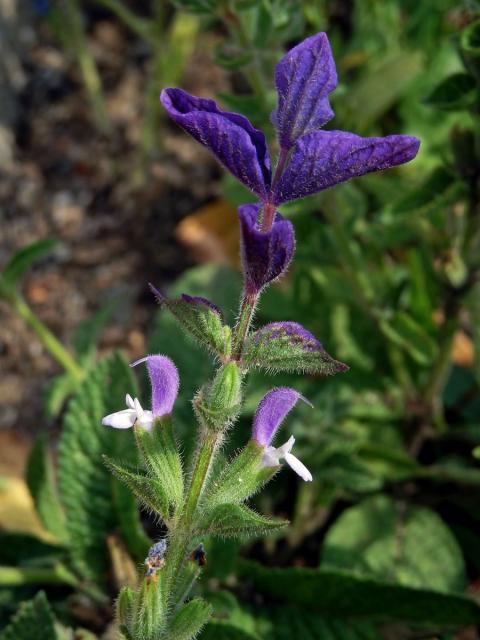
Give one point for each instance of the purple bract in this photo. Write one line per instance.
(304, 78)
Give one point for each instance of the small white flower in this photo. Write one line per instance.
(126, 418)
(273, 455)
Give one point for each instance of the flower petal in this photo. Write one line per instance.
(165, 382)
(304, 78)
(129, 401)
(298, 467)
(271, 412)
(235, 142)
(270, 458)
(322, 159)
(265, 255)
(121, 419)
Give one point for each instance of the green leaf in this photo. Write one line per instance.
(86, 485)
(343, 594)
(457, 92)
(24, 259)
(42, 486)
(57, 392)
(22, 549)
(34, 619)
(287, 346)
(188, 621)
(409, 546)
(237, 521)
(470, 47)
(146, 489)
(407, 333)
(202, 321)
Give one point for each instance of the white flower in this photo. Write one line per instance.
(128, 417)
(273, 455)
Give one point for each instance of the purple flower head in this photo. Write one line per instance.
(265, 254)
(235, 142)
(311, 160)
(304, 78)
(164, 379)
(271, 412)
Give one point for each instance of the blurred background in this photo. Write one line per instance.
(101, 194)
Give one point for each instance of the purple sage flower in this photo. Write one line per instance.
(271, 412)
(265, 254)
(310, 160)
(165, 382)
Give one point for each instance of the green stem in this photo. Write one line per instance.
(46, 337)
(200, 474)
(247, 309)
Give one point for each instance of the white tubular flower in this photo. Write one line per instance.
(273, 455)
(126, 418)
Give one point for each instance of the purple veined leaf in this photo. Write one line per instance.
(235, 142)
(165, 382)
(272, 411)
(304, 77)
(265, 254)
(322, 159)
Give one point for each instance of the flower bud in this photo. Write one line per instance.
(219, 403)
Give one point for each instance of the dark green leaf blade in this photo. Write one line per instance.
(343, 594)
(34, 619)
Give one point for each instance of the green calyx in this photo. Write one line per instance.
(219, 403)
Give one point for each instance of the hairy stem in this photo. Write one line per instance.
(245, 317)
(46, 337)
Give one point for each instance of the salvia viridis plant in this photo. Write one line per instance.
(205, 500)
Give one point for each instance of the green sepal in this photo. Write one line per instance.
(190, 619)
(237, 521)
(124, 605)
(147, 490)
(218, 403)
(241, 478)
(283, 346)
(162, 459)
(41, 483)
(202, 321)
(149, 612)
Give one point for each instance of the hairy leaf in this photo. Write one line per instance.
(86, 485)
(147, 490)
(287, 346)
(201, 320)
(237, 521)
(190, 619)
